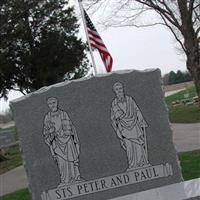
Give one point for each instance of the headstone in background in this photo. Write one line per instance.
(6, 139)
(97, 138)
(186, 95)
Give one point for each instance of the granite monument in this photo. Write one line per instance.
(97, 138)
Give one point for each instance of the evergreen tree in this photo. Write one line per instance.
(187, 76)
(179, 77)
(38, 44)
(172, 78)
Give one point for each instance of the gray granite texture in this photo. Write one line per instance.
(94, 141)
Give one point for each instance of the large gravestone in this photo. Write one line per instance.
(97, 138)
(6, 139)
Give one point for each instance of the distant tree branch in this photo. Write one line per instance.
(171, 14)
(191, 6)
(197, 31)
(173, 32)
(197, 6)
(165, 11)
(135, 25)
(197, 16)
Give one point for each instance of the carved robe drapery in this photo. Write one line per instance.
(61, 137)
(129, 125)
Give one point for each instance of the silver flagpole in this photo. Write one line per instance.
(86, 32)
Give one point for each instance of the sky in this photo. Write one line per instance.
(133, 48)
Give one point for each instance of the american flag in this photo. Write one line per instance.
(97, 43)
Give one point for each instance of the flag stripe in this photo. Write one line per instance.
(100, 48)
(97, 43)
(94, 33)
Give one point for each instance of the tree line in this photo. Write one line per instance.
(176, 77)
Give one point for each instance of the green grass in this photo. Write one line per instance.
(180, 95)
(183, 113)
(14, 159)
(11, 130)
(19, 195)
(190, 164)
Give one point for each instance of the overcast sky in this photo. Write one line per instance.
(133, 48)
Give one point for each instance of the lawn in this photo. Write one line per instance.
(190, 163)
(5, 130)
(183, 113)
(19, 195)
(180, 95)
(13, 159)
(11, 130)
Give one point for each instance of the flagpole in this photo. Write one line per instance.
(87, 36)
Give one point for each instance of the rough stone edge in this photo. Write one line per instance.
(24, 165)
(171, 130)
(64, 83)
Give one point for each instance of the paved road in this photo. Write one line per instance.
(7, 125)
(186, 138)
(13, 180)
(169, 93)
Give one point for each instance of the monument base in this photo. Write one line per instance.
(180, 191)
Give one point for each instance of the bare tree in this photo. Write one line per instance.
(181, 17)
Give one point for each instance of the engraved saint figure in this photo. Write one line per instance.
(61, 137)
(129, 125)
